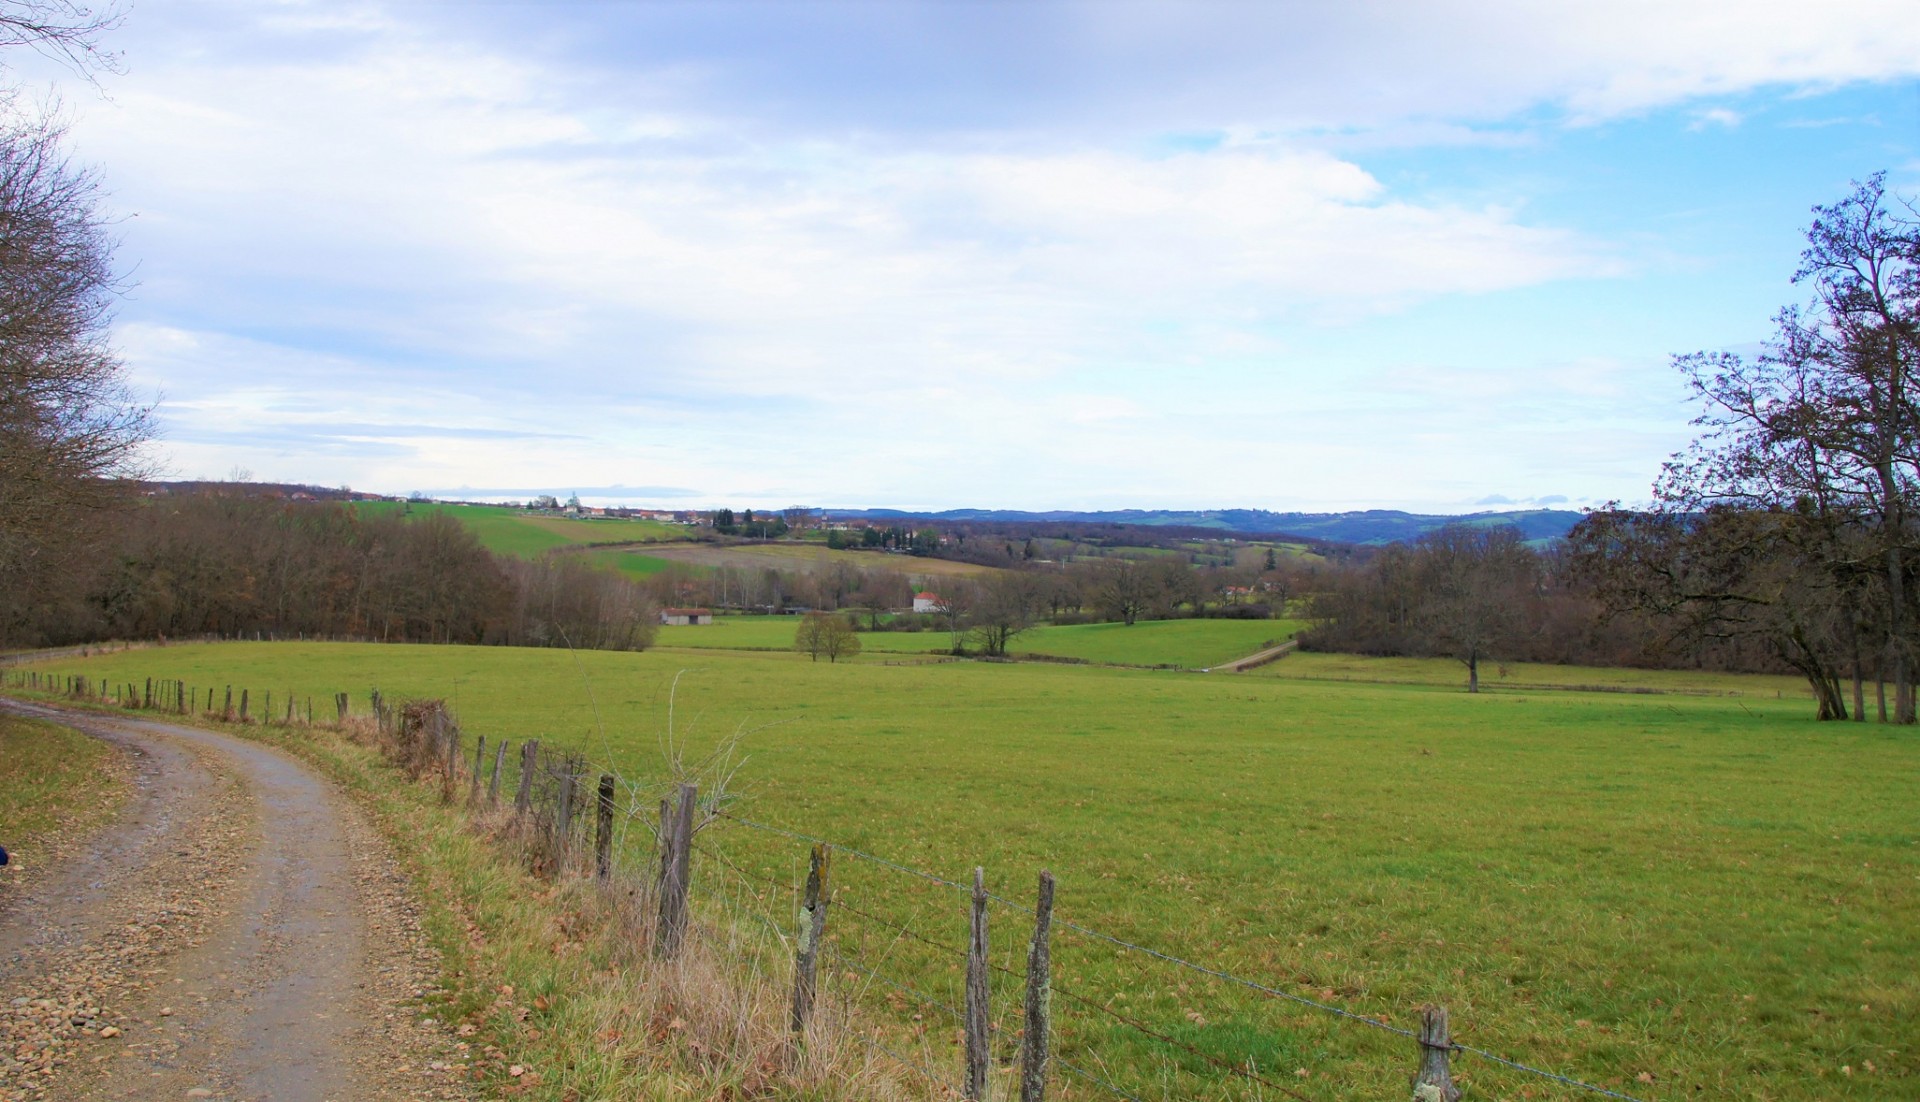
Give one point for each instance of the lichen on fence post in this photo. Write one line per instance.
(1434, 1081)
(976, 1011)
(1039, 1028)
(813, 927)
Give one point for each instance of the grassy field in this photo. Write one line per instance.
(513, 532)
(51, 779)
(634, 564)
(1673, 895)
(1189, 643)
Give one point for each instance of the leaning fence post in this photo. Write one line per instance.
(493, 783)
(675, 868)
(975, 1020)
(603, 830)
(813, 925)
(1033, 1067)
(1434, 1082)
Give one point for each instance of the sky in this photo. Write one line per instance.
(1289, 255)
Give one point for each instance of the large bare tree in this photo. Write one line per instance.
(70, 426)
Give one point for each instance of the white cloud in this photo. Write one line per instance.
(390, 220)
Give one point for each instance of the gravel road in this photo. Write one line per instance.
(239, 931)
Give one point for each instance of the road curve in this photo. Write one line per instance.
(239, 932)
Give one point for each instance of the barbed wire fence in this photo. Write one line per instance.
(1013, 1002)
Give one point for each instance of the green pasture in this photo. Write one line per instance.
(633, 564)
(1189, 643)
(513, 532)
(1675, 895)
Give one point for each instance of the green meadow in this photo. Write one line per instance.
(514, 532)
(1193, 644)
(1672, 894)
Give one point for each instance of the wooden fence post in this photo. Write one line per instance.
(675, 869)
(226, 711)
(529, 754)
(1038, 1035)
(479, 766)
(813, 926)
(563, 821)
(979, 1056)
(149, 697)
(1434, 1082)
(290, 701)
(493, 785)
(603, 830)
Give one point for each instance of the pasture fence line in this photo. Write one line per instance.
(567, 819)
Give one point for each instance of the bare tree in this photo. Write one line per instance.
(1124, 590)
(823, 633)
(1008, 604)
(1472, 583)
(1825, 424)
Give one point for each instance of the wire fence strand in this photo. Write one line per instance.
(1228, 977)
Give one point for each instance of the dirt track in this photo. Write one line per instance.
(239, 932)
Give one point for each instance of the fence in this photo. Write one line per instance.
(982, 995)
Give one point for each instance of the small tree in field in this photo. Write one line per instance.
(821, 633)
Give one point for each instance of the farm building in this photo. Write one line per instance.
(926, 601)
(684, 617)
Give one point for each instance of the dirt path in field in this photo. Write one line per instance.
(238, 932)
(1258, 658)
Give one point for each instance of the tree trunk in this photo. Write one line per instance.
(1473, 673)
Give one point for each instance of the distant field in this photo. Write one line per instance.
(1191, 643)
(513, 532)
(813, 558)
(634, 564)
(1674, 896)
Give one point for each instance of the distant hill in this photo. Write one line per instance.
(1368, 526)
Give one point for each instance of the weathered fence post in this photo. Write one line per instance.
(1434, 1082)
(479, 766)
(563, 821)
(675, 869)
(226, 710)
(290, 703)
(603, 830)
(813, 926)
(493, 784)
(266, 709)
(243, 705)
(529, 754)
(149, 697)
(1033, 1066)
(979, 1056)
(340, 706)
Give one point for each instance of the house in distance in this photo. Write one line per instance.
(686, 617)
(926, 601)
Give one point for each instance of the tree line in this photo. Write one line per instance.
(233, 564)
